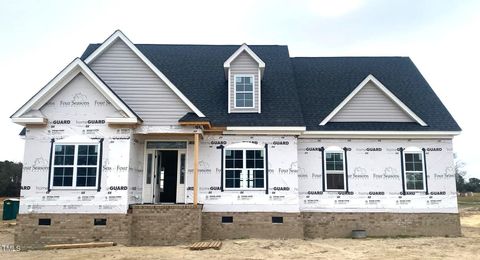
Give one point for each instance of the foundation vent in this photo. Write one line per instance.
(277, 220)
(227, 219)
(100, 222)
(44, 221)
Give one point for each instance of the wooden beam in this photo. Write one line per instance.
(198, 123)
(195, 170)
(215, 130)
(81, 245)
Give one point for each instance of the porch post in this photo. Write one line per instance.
(195, 170)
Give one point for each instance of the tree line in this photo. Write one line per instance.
(464, 185)
(10, 178)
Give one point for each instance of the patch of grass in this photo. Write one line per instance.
(471, 201)
(474, 198)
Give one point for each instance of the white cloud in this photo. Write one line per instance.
(334, 8)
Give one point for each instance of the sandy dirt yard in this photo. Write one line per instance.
(466, 247)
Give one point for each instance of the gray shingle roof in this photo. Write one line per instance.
(295, 91)
(192, 117)
(325, 82)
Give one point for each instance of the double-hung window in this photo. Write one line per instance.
(414, 169)
(244, 169)
(334, 170)
(75, 166)
(244, 91)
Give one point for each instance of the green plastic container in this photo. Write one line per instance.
(10, 209)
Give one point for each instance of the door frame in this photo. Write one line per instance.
(154, 175)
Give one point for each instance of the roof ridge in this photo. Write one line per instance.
(203, 44)
(211, 45)
(352, 57)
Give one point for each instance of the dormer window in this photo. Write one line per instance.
(244, 71)
(244, 91)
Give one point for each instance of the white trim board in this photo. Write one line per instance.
(60, 81)
(119, 35)
(29, 120)
(380, 134)
(244, 47)
(384, 90)
(266, 128)
(252, 76)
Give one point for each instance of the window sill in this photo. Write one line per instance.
(408, 192)
(244, 189)
(73, 188)
(243, 107)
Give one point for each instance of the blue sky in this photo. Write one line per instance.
(39, 38)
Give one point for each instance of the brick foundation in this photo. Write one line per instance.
(70, 228)
(182, 224)
(155, 225)
(251, 225)
(329, 225)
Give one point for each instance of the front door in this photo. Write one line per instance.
(166, 181)
(164, 172)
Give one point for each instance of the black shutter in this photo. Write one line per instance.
(323, 168)
(100, 166)
(221, 166)
(402, 169)
(425, 166)
(345, 149)
(266, 168)
(50, 164)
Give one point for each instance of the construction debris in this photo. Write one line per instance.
(81, 245)
(206, 245)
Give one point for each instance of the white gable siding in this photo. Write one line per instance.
(139, 86)
(244, 64)
(370, 104)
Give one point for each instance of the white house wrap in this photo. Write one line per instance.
(133, 136)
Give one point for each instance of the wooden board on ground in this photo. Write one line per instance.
(206, 245)
(81, 245)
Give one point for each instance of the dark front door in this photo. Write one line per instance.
(168, 164)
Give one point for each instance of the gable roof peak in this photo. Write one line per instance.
(61, 80)
(388, 93)
(120, 35)
(244, 48)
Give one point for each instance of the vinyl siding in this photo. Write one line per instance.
(244, 64)
(370, 104)
(139, 86)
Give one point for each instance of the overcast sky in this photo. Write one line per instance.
(39, 38)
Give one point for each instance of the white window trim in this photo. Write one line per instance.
(252, 76)
(334, 150)
(259, 91)
(413, 151)
(244, 158)
(75, 166)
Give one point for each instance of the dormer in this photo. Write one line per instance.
(244, 71)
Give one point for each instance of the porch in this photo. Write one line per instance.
(167, 157)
